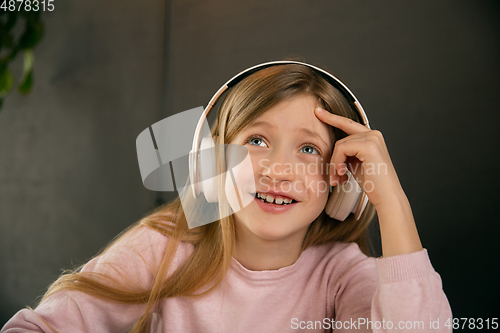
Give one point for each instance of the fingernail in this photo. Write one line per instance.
(320, 110)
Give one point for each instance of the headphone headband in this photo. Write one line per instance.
(334, 81)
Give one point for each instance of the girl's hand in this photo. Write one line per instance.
(365, 154)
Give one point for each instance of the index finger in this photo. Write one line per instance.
(347, 125)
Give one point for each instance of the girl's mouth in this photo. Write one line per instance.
(274, 205)
(269, 199)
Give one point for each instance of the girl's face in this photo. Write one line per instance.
(289, 149)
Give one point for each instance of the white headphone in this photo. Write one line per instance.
(345, 199)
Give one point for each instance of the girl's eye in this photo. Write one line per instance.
(256, 141)
(310, 150)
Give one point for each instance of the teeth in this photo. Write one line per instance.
(270, 199)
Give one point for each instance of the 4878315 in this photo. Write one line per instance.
(472, 323)
(27, 5)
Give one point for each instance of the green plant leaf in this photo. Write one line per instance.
(6, 81)
(29, 59)
(27, 78)
(26, 84)
(31, 36)
(6, 39)
(11, 20)
(10, 47)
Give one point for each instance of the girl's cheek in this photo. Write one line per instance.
(240, 180)
(317, 169)
(317, 179)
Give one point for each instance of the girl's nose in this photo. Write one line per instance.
(279, 166)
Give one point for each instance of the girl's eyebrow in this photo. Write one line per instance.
(260, 123)
(304, 130)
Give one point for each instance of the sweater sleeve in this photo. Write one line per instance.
(395, 294)
(410, 294)
(131, 262)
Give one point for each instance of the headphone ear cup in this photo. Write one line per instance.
(344, 199)
(207, 170)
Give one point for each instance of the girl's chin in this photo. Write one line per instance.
(270, 227)
(268, 230)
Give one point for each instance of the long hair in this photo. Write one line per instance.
(213, 243)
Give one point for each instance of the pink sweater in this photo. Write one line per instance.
(336, 280)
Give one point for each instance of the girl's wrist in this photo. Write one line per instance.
(388, 196)
(391, 199)
(397, 226)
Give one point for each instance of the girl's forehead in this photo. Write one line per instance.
(294, 115)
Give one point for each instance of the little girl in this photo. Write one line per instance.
(280, 264)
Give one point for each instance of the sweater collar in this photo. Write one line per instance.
(266, 275)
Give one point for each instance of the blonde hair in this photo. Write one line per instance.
(214, 243)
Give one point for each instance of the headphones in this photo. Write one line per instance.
(344, 200)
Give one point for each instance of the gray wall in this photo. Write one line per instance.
(426, 73)
(69, 177)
